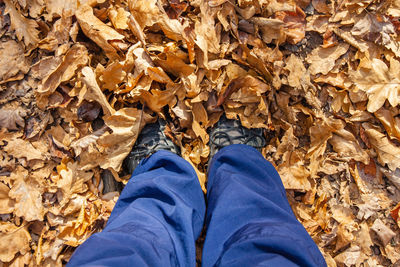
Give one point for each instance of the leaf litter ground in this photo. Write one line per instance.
(80, 79)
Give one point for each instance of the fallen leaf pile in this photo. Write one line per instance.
(79, 79)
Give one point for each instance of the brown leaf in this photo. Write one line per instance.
(94, 92)
(295, 24)
(126, 125)
(322, 60)
(88, 111)
(395, 213)
(348, 147)
(76, 57)
(6, 204)
(119, 17)
(13, 239)
(11, 119)
(249, 86)
(292, 171)
(72, 180)
(24, 28)
(384, 233)
(60, 7)
(13, 64)
(388, 153)
(380, 82)
(23, 149)
(96, 30)
(28, 199)
(59, 34)
(390, 122)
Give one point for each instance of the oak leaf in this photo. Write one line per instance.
(380, 82)
(388, 152)
(13, 64)
(322, 60)
(6, 204)
(76, 57)
(24, 28)
(96, 30)
(13, 239)
(12, 118)
(28, 199)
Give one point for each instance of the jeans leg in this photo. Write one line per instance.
(156, 220)
(249, 220)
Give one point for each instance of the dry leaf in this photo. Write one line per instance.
(388, 153)
(13, 240)
(28, 198)
(13, 64)
(383, 232)
(76, 57)
(348, 147)
(322, 60)
(72, 180)
(380, 83)
(96, 30)
(6, 204)
(94, 92)
(23, 149)
(60, 8)
(24, 28)
(295, 24)
(11, 119)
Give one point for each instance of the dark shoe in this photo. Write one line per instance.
(151, 139)
(229, 132)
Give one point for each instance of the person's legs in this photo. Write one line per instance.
(249, 220)
(156, 220)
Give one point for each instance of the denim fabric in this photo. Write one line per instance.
(161, 212)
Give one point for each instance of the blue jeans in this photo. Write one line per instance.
(161, 212)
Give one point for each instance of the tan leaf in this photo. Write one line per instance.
(126, 125)
(320, 133)
(175, 65)
(94, 92)
(23, 149)
(72, 180)
(348, 147)
(24, 28)
(28, 199)
(60, 7)
(145, 12)
(377, 29)
(271, 29)
(388, 153)
(390, 122)
(6, 204)
(58, 35)
(41, 69)
(13, 239)
(384, 233)
(292, 170)
(85, 142)
(322, 60)
(12, 61)
(11, 119)
(76, 57)
(35, 7)
(96, 30)
(295, 24)
(380, 83)
(119, 17)
(297, 71)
